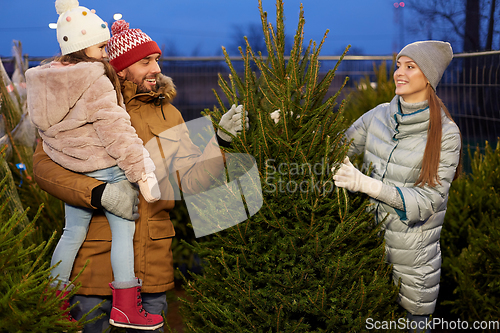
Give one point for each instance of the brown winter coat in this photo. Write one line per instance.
(78, 117)
(154, 230)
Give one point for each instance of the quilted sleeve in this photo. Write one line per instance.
(357, 132)
(112, 125)
(422, 202)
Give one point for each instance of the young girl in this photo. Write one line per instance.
(415, 148)
(76, 104)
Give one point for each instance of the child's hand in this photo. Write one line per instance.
(121, 199)
(149, 187)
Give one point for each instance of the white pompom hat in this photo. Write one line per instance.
(78, 27)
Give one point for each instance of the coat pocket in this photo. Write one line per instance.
(163, 145)
(160, 228)
(171, 134)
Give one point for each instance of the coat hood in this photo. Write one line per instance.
(53, 89)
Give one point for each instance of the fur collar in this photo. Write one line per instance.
(166, 88)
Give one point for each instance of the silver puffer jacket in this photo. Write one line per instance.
(395, 142)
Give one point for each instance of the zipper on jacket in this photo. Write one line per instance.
(160, 101)
(387, 164)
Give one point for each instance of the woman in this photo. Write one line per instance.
(414, 147)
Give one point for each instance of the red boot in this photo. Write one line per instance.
(65, 305)
(127, 308)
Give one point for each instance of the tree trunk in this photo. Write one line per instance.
(489, 39)
(472, 24)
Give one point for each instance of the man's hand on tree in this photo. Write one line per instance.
(232, 122)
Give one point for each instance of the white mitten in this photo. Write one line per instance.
(149, 165)
(275, 115)
(148, 185)
(354, 180)
(232, 121)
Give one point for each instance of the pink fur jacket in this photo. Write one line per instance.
(78, 117)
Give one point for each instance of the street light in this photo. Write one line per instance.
(116, 17)
(399, 21)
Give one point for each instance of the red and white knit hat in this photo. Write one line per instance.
(127, 46)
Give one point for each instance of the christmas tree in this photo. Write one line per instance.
(366, 96)
(311, 259)
(28, 303)
(471, 241)
(17, 143)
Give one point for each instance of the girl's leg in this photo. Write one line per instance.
(122, 248)
(74, 233)
(122, 232)
(127, 310)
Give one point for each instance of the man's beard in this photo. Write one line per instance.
(141, 88)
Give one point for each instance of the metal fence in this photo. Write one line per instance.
(470, 87)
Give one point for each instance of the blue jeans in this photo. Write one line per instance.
(75, 232)
(154, 303)
(419, 323)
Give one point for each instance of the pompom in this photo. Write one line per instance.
(63, 6)
(119, 26)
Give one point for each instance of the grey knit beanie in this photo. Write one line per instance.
(431, 56)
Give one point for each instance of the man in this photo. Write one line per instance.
(147, 95)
